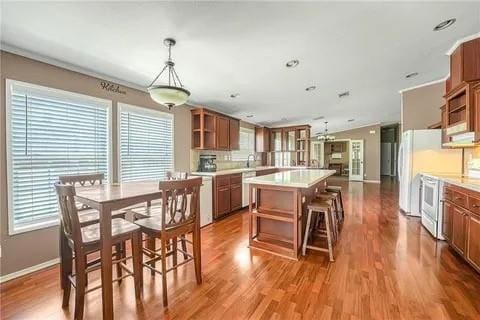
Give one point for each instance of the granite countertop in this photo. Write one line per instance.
(302, 178)
(240, 170)
(457, 180)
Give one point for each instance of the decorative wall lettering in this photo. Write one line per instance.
(111, 87)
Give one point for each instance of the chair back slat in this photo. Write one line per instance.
(179, 202)
(82, 180)
(68, 211)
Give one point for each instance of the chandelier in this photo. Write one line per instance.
(325, 136)
(173, 94)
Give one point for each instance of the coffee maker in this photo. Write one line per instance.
(207, 163)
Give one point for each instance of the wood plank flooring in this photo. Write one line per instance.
(387, 267)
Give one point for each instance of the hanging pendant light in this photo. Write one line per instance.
(173, 94)
(325, 136)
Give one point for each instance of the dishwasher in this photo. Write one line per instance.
(245, 187)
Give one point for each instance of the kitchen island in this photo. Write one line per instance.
(277, 209)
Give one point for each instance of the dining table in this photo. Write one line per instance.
(106, 198)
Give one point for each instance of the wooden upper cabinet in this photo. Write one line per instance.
(203, 129)
(262, 139)
(234, 137)
(222, 133)
(465, 63)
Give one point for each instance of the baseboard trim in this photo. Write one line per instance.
(28, 270)
(371, 181)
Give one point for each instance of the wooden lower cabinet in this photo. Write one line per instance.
(473, 241)
(235, 197)
(227, 195)
(459, 226)
(447, 220)
(461, 223)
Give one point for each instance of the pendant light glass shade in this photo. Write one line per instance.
(169, 96)
(173, 94)
(325, 136)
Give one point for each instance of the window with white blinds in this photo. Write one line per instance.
(246, 145)
(50, 133)
(145, 143)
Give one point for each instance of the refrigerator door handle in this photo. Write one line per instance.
(400, 161)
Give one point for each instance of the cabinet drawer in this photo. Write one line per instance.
(448, 193)
(222, 181)
(474, 204)
(236, 179)
(460, 199)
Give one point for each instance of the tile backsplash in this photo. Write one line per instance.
(224, 160)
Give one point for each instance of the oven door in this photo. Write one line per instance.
(430, 199)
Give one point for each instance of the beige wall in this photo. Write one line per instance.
(371, 149)
(32, 248)
(421, 106)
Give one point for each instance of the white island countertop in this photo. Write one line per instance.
(303, 178)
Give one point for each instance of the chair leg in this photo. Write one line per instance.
(184, 247)
(66, 261)
(174, 251)
(197, 254)
(164, 272)
(307, 232)
(137, 263)
(151, 246)
(118, 255)
(329, 234)
(80, 285)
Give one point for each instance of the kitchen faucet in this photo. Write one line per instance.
(248, 159)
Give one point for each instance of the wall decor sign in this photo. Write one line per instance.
(112, 87)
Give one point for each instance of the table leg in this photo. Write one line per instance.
(106, 256)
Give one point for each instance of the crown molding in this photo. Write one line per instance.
(460, 41)
(68, 66)
(424, 84)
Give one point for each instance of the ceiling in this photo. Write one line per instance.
(242, 47)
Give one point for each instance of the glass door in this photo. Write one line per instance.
(356, 160)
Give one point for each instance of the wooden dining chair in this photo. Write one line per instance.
(86, 240)
(179, 215)
(86, 216)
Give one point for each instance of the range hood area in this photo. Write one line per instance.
(463, 140)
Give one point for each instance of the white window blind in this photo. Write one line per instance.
(146, 143)
(246, 145)
(50, 133)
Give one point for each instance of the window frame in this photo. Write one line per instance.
(57, 94)
(145, 111)
(241, 154)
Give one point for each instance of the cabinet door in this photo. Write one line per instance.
(222, 199)
(456, 67)
(234, 134)
(236, 197)
(222, 133)
(473, 240)
(459, 226)
(262, 140)
(447, 221)
(277, 140)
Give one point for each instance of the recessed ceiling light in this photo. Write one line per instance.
(344, 94)
(250, 116)
(351, 120)
(411, 75)
(234, 95)
(444, 24)
(292, 63)
(284, 119)
(319, 118)
(311, 88)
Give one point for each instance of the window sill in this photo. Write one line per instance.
(15, 230)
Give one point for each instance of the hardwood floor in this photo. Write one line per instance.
(387, 267)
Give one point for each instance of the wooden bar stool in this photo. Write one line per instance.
(319, 207)
(179, 215)
(84, 241)
(332, 198)
(338, 190)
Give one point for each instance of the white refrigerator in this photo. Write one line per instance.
(421, 151)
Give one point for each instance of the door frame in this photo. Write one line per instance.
(359, 177)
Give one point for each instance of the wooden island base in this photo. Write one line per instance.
(277, 214)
